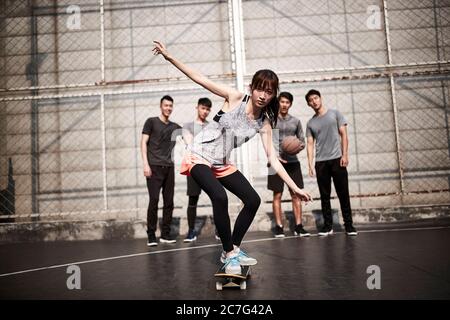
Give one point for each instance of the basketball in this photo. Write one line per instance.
(292, 145)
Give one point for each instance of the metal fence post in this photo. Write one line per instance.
(102, 106)
(393, 99)
(236, 30)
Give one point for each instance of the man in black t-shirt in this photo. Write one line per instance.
(157, 143)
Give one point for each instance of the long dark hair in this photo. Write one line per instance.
(264, 79)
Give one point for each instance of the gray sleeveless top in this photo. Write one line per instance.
(229, 130)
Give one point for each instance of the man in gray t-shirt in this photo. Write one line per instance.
(287, 125)
(190, 130)
(327, 132)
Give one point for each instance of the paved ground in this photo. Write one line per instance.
(413, 261)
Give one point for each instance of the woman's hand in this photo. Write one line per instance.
(160, 49)
(304, 196)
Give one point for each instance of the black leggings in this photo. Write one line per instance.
(237, 184)
(192, 211)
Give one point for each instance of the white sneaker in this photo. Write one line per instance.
(232, 265)
(244, 258)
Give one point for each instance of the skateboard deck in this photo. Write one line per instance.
(225, 280)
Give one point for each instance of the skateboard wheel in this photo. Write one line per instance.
(243, 285)
(219, 286)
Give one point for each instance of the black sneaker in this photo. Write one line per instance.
(167, 239)
(279, 233)
(152, 240)
(326, 230)
(299, 231)
(191, 236)
(351, 231)
(216, 235)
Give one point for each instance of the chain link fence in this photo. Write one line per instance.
(79, 80)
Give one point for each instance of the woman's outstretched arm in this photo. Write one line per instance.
(228, 93)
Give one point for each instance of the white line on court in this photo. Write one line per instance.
(107, 259)
(197, 247)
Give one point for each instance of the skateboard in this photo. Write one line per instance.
(225, 280)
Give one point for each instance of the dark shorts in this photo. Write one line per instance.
(193, 188)
(276, 184)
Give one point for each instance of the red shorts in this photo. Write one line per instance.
(189, 161)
